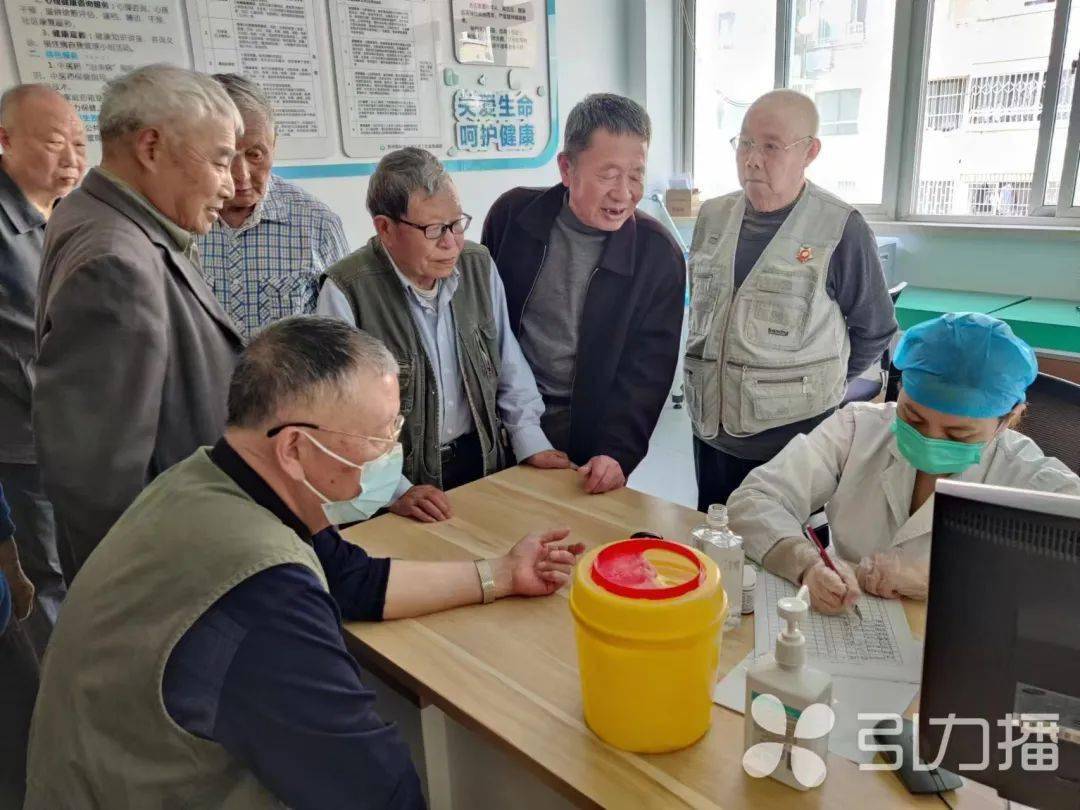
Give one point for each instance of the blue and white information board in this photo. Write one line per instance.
(350, 80)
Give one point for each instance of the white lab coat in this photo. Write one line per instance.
(850, 464)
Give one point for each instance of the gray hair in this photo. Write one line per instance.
(398, 175)
(155, 95)
(299, 361)
(248, 97)
(619, 115)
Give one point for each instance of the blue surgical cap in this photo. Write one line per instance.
(966, 364)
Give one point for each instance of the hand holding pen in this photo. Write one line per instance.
(820, 591)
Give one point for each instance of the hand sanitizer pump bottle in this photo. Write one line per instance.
(788, 707)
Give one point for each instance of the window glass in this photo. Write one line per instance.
(836, 59)
(985, 76)
(734, 63)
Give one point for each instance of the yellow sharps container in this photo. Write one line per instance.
(648, 616)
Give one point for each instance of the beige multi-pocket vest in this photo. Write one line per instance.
(776, 350)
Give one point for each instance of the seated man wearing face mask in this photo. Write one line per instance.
(873, 466)
(199, 661)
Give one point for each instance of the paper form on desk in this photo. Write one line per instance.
(879, 646)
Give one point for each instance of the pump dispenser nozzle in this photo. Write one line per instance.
(791, 644)
(785, 676)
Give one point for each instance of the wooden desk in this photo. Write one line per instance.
(508, 671)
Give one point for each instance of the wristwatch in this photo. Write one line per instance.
(487, 580)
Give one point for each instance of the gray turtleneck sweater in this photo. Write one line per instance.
(551, 320)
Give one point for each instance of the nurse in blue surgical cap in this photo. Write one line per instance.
(873, 466)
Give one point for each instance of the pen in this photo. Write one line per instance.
(828, 560)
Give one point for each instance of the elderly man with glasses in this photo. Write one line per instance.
(788, 300)
(468, 395)
(199, 661)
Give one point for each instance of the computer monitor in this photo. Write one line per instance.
(1003, 638)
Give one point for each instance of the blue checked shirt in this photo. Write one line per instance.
(269, 267)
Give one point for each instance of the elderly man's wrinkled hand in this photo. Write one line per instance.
(601, 474)
(424, 503)
(893, 574)
(550, 460)
(539, 564)
(829, 593)
(22, 589)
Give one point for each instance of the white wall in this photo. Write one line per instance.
(592, 55)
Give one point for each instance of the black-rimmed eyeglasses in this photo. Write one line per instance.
(436, 229)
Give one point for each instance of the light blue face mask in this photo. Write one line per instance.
(378, 480)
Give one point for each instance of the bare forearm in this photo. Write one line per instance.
(418, 588)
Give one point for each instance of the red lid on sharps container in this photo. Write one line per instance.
(622, 569)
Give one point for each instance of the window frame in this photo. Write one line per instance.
(1062, 210)
(1069, 181)
(906, 110)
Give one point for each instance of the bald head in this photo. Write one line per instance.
(795, 110)
(778, 141)
(44, 143)
(40, 96)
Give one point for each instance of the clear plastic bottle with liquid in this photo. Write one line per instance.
(725, 548)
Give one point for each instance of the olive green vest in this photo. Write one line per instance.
(101, 737)
(380, 308)
(775, 351)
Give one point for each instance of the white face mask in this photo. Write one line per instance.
(378, 480)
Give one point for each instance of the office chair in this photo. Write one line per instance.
(863, 390)
(1052, 418)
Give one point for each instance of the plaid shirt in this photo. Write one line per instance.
(269, 267)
